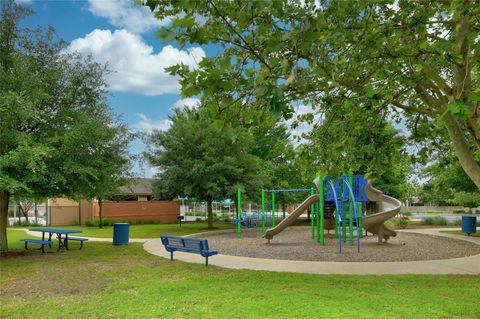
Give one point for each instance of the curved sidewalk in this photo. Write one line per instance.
(464, 266)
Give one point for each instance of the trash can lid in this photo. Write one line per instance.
(121, 223)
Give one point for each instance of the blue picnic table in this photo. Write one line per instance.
(62, 235)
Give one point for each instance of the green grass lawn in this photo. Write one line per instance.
(106, 281)
(458, 232)
(149, 231)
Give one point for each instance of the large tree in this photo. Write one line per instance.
(446, 183)
(53, 110)
(101, 146)
(204, 157)
(415, 59)
(352, 139)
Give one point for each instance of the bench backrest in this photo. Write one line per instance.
(185, 242)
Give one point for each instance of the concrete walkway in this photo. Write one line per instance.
(465, 266)
(441, 232)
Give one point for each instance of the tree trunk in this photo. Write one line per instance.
(209, 213)
(35, 210)
(4, 199)
(100, 206)
(464, 154)
(24, 212)
(79, 212)
(19, 207)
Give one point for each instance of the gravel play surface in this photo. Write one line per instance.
(295, 243)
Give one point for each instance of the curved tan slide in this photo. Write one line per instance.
(291, 218)
(387, 206)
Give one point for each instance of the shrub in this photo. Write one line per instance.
(216, 219)
(227, 219)
(22, 224)
(133, 222)
(73, 223)
(89, 223)
(389, 224)
(459, 211)
(402, 222)
(148, 222)
(435, 220)
(406, 213)
(198, 220)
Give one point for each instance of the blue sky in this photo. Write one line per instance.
(122, 35)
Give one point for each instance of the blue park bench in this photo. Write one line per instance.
(189, 245)
(37, 241)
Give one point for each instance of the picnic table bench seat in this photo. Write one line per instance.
(189, 245)
(37, 241)
(80, 239)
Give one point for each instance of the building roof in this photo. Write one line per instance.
(141, 186)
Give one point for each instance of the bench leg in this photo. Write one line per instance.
(42, 248)
(171, 255)
(81, 244)
(206, 261)
(49, 238)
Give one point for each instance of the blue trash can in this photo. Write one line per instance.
(121, 233)
(469, 224)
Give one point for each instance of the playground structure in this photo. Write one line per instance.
(335, 205)
(266, 219)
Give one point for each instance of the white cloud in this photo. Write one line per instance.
(148, 125)
(136, 67)
(189, 102)
(126, 15)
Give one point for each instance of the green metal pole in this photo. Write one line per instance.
(321, 225)
(273, 210)
(344, 224)
(263, 212)
(312, 215)
(350, 209)
(360, 216)
(239, 212)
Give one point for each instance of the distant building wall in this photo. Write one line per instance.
(163, 211)
(68, 212)
(64, 215)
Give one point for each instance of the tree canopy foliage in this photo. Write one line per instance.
(204, 158)
(413, 60)
(350, 139)
(59, 137)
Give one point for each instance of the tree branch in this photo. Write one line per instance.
(413, 109)
(437, 79)
(231, 27)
